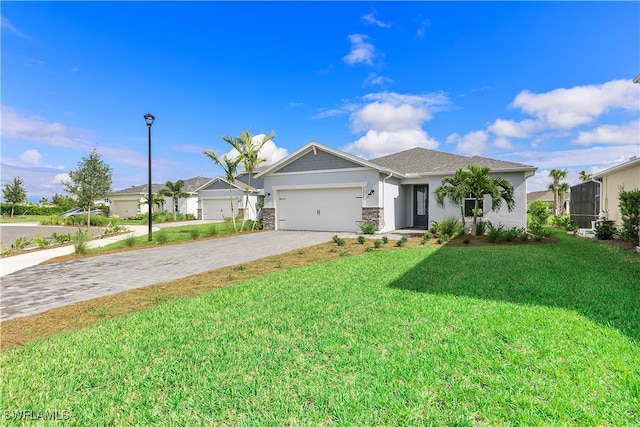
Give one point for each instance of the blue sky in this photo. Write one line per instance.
(542, 83)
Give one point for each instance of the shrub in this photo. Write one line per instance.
(162, 237)
(341, 242)
(42, 241)
(211, 230)
(189, 217)
(629, 203)
(514, 233)
(377, 243)
(494, 233)
(368, 227)
(385, 239)
(450, 226)
(605, 230)
(481, 228)
(565, 222)
(20, 243)
(537, 230)
(81, 242)
(361, 239)
(194, 233)
(539, 211)
(443, 239)
(61, 238)
(403, 241)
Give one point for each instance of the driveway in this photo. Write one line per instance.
(46, 286)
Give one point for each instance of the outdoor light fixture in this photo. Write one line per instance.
(149, 118)
(371, 193)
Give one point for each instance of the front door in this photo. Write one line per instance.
(421, 206)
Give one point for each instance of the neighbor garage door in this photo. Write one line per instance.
(124, 208)
(324, 209)
(213, 209)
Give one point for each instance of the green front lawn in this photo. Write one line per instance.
(520, 335)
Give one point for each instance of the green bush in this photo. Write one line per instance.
(20, 243)
(30, 209)
(514, 233)
(443, 239)
(162, 237)
(341, 242)
(368, 227)
(606, 230)
(377, 243)
(565, 222)
(42, 241)
(60, 238)
(538, 231)
(194, 233)
(385, 239)
(403, 241)
(130, 240)
(81, 242)
(362, 239)
(481, 228)
(495, 232)
(629, 203)
(539, 211)
(450, 226)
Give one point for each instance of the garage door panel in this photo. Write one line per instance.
(328, 209)
(214, 209)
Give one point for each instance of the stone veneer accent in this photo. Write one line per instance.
(374, 214)
(269, 218)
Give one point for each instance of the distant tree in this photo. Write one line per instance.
(14, 192)
(64, 201)
(91, 181)
(230, 168)
(174, 190)
(558, 176)
(248, 148)
(44, 201)
(584, 176)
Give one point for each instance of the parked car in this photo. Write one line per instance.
(81, 211)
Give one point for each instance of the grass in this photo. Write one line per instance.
(449, 335)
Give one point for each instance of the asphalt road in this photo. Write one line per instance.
(9, 232)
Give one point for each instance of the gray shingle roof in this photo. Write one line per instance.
(423, 161)
(190, 185)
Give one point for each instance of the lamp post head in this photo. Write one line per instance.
(149, 118)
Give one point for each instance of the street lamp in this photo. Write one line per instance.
(149, 118)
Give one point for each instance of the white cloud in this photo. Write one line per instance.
(61, 178)
(31, 157)
(581, 157)
(270, 151)
(7, 25)
(503, 143)
(611, 134)
(375, 80)
(387, 117)
(37, 129)
(392, 122)
(568, 108)
(371, 19)
(472, 144)
(376, 143)
(510, 128)
(361, 51)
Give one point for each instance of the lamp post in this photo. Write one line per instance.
(149, 118)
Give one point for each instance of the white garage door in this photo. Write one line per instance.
(322, 209)
(213, 209)
(124, 208)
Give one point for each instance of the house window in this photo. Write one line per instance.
(469, 204)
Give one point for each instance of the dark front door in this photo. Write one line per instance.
(421, 206)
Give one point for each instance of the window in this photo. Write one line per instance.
(469, 204)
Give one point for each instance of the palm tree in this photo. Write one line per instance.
(174, 190)
(455, 189)
(557, 175)
(230, 167)
(155, 199)
(248, 148)
(563, 189)
(584, 176)
(480, 183)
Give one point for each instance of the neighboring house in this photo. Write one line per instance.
(215, 199)
(127, 203)
(320, 188)
(547, 197)
(625, 175)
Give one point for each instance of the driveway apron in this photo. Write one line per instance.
(45, 286)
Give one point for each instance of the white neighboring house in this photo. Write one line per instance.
(320, 188)
(216, 200)
(127, 203)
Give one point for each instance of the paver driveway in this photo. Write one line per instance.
(45, 286)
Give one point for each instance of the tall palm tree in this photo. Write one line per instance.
(174, 190)
(563, 189)
(557, 175)
(584, 176)
(480, 183)
(248, 148)
(155, 200)
(455, 189)
(230, 168)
